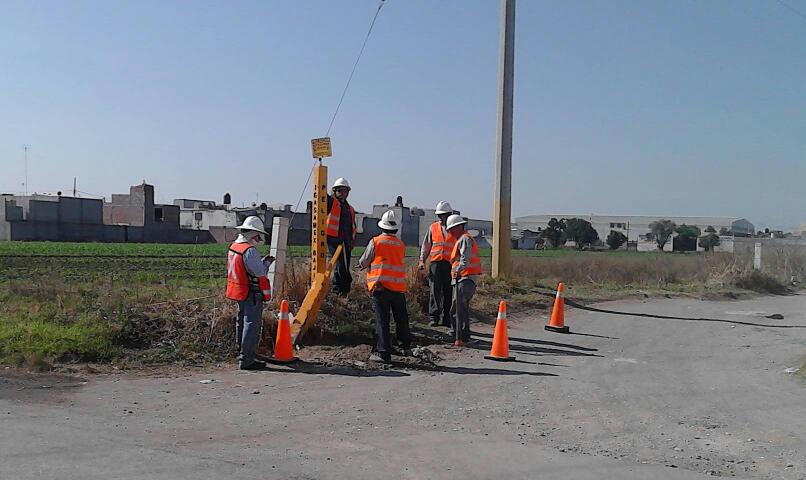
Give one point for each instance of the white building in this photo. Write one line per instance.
(635, 226)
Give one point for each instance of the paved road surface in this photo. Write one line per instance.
(624, 398)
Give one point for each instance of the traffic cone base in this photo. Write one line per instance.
(563, 329)
(283, 349)
(500, 359)
(500, 348)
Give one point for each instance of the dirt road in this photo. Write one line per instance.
(624, 397)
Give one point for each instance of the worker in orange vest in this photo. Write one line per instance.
(341, 231)
(386, 280)
(248, 285)
(465, 269)
(436, 250)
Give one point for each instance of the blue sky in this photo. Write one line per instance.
(628, 107)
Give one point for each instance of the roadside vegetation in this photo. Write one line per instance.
(136, 304)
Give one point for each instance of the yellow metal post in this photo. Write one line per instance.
(320, 268)
(319, 221)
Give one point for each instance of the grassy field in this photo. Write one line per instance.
(164, 303)
(219, 250)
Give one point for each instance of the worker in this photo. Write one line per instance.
(341, 231)
(248, 285)
(436, 249)
(386, 281)
(465, 269)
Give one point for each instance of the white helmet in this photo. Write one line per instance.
(455, 220)
(252, 223)
(388, 221)
(341, 182)
(443, 207)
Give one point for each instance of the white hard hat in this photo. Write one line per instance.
(443, 207)
(341, 182)
(455, 220)
(388, 221)
(252, 223)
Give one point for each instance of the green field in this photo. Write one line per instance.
(215, 249)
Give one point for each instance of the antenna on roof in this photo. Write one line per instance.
(25, 148)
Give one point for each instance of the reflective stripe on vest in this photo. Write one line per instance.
(388, 268)
(238, 279)
(334, 218)
(474, 267)
(441, 244)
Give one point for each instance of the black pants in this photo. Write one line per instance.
(441, 290)
(384, 303)
(342, 279)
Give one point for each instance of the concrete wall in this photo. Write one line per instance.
(209, 219)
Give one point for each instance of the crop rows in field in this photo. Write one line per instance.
(137, 269)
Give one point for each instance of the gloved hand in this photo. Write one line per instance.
(266, 295)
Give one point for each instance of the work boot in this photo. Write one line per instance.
(256, 365)
(376, 357)
(459, 343)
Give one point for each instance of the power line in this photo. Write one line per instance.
(793, 9)
(338, 106)
(355, 65)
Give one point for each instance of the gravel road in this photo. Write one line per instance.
(622, 397)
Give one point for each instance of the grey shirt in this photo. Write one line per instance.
(465, 246)
(251, 260)
(369, 255)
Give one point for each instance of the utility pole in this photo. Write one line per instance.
(25, 149)
(502, 205)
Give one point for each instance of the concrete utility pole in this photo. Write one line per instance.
(502, 205)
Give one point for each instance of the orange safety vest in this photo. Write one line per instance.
(474, 268)
(441, 244)
(388, 267)
(334, 217)
(240, 283)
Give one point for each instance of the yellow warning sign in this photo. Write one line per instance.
(321, 147)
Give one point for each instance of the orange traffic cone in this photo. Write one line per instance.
(500, 349)
(557, 322)
(283, 350)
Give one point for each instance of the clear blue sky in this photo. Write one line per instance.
(652, 107)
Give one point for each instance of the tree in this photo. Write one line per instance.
(723, 231)
(615, 239)
(710, 229)
(554, 232)
(662, 230)
(581, 231)
(688, 231)
(686, 240)
(709, 241)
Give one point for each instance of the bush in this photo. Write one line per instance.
(709, 241)
(760, 282)
(615, 239)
